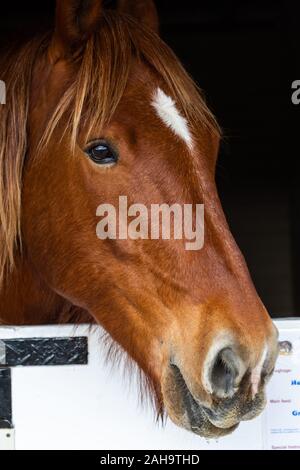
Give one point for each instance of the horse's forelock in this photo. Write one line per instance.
(103, 72)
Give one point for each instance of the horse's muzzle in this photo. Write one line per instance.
(185, 410)
(222, 417)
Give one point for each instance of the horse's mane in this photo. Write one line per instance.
(91, 100)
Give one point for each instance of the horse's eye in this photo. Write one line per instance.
(102, 154)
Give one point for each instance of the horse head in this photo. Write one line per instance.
(111, 112)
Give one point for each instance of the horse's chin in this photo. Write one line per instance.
(205, 428)
(199, 424)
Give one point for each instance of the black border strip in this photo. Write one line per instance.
(45, 351)
(5, 399)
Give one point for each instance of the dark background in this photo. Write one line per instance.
(244, 55)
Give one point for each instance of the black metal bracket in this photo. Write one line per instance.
(35, 352)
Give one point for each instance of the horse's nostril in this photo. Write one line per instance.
(224, 372)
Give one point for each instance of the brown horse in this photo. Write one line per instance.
(102, 108)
